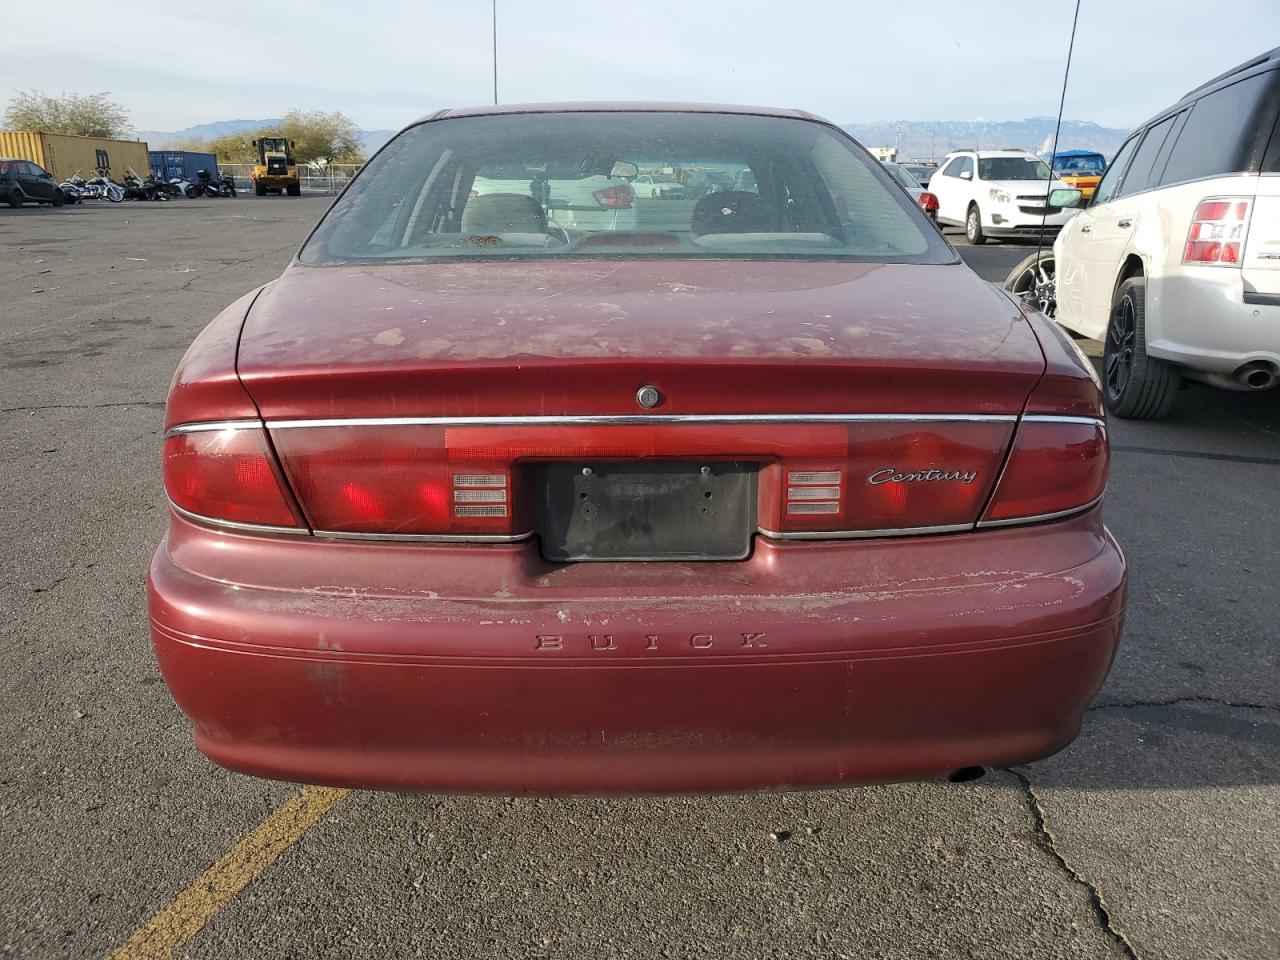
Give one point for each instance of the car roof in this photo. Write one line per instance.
(1079, 153)
(1254, 65)
(1002, 152)
(618, 106)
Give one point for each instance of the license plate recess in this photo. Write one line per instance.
(646, 510)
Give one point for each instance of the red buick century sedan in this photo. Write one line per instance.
(518, 480)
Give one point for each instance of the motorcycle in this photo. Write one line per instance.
(226, 185)
(135, 188)
(106, 187)
(182, 187)
(71, 191)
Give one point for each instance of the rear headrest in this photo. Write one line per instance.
(731, 211)
(496, 213)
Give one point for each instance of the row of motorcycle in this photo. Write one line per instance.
(76, 189)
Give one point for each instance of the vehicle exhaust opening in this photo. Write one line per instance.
(1258, 375)
(967, 774)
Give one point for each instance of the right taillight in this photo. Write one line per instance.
(1217, 231)
(615, 198)
(928, 202)
(1057, 465)
(227, 475)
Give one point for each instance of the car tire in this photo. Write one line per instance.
(59, 198)
(973, 226)
(1135, 386)
(1034, 282)
(15, 198)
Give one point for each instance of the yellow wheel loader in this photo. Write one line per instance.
(276, 171)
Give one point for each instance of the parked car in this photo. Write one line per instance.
(1081, 169)
(927, 201)
(658, 185)
(997, 193)
(702, 182)
(923, 172)
(788, 496)
(22, 181)
(571, 198)
(1175, 264)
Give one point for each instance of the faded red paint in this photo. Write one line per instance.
(473, 668)
(720, 336)
(487, 668)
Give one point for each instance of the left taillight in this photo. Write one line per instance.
(400, 481)
(227, 475)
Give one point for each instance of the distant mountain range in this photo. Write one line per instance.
(930, 139)
(371, 140)
(915, 139)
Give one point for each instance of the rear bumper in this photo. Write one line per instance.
(1199, 318)
(485, 669)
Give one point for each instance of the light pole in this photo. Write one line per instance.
(495, 52)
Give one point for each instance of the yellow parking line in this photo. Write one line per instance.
(184, 915)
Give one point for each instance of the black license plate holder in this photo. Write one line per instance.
(646, 510)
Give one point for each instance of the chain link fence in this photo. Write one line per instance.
(327, 179)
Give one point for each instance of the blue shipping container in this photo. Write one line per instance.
(167, 164)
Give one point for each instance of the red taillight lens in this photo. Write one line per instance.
(615, 198)
(398, 480)
(1217, 231)
(227, 475)
(928, 202)
(889, 476)
(1055, 467)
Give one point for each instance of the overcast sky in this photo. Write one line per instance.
(386, 62)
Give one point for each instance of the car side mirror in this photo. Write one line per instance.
(624, 170)
(1066, 198)
(966, 174)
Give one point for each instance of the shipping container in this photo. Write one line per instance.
(62, 155)
(167, 164)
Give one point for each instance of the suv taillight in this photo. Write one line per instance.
(615, 198)
(928, 202)
(1217, 231)
(227, 475)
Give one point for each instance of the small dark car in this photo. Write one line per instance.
(22, 181)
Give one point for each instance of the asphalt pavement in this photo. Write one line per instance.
(1155, 835)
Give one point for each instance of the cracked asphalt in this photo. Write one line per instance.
(1155, 835)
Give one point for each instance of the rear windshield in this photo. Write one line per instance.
(571, 185)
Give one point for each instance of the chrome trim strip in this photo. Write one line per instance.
(864, 534)
(236, 525)
(427, 537)
(985, 524)
(1053, 418)
(629, 419)
(643, 419)
(209, 426)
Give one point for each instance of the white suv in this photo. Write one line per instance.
(997, 193)
(1175, 263)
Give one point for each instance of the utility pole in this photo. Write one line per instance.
(495, 52)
